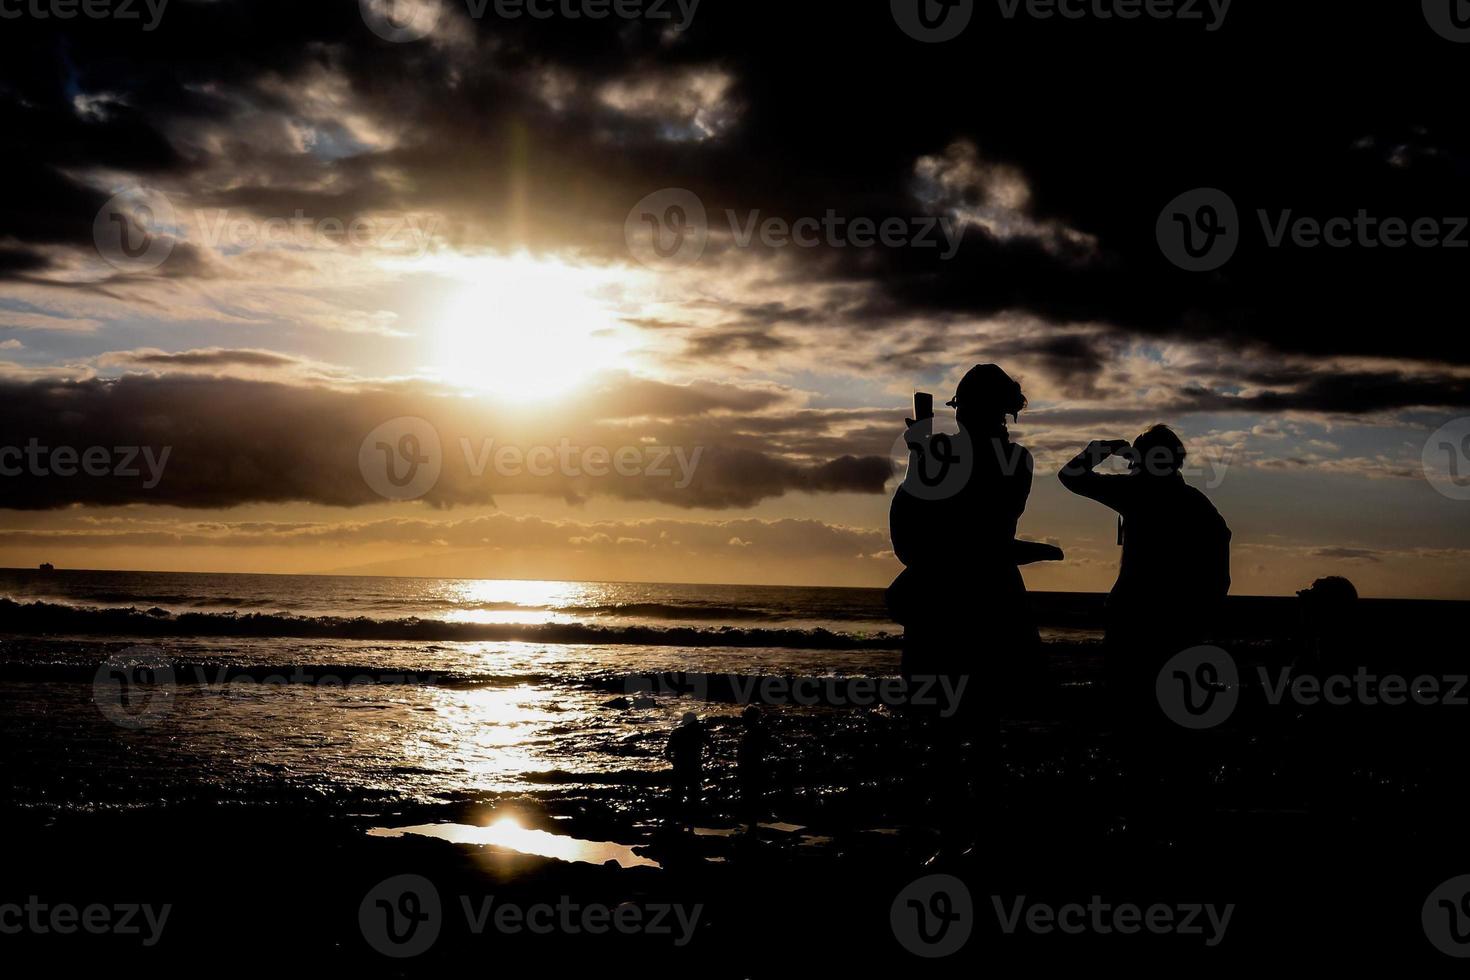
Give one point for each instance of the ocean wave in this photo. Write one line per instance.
(220, 676)
(49, 618)
(124, 598)
(665, 610)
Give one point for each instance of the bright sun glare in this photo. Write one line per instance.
(524, 328)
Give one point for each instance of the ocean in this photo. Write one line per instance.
(131, 689)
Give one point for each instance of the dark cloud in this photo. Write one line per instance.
(717, 343)
(758, 538)
(1074, 361)
(1349, 554)
(19, 260)
(1346, 392)
(231, 442)
(211, 358)
(1252, 386)
(545, 134)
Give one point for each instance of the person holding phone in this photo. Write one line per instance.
(953, 525)
(961, 598)
(981, 497)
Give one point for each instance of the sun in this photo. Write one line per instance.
(522, 327)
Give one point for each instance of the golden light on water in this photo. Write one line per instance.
(483, 601)
(485, 732)
(506, 831)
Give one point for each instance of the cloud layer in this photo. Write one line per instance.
(214, 442)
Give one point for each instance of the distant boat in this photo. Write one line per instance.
(46, 566)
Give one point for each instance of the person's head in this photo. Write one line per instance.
(1330, 600)
(985, 396)
(1157, 452)
(1332, 589)
(751, 716)
(690, 718)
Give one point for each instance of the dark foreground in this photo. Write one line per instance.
(1285, 836)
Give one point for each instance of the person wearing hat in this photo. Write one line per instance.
(961, 596)
(968, 625)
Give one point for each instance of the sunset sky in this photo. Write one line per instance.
(351, 230)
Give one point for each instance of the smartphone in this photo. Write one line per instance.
(923, 406)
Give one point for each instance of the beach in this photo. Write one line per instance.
(265, 786)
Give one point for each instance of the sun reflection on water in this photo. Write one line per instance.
(485, 731)
(528, 602)
(507, 832)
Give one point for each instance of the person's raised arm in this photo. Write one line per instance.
(1079, 477)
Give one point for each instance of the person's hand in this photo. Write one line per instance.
(1100, 449)
(917, 432)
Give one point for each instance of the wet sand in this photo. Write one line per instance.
(1325, 849)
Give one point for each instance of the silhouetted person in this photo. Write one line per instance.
(1333, 742)
(686, 751)
(753, 764)
(961, 599)
(1331, 631)
(1175, 570)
